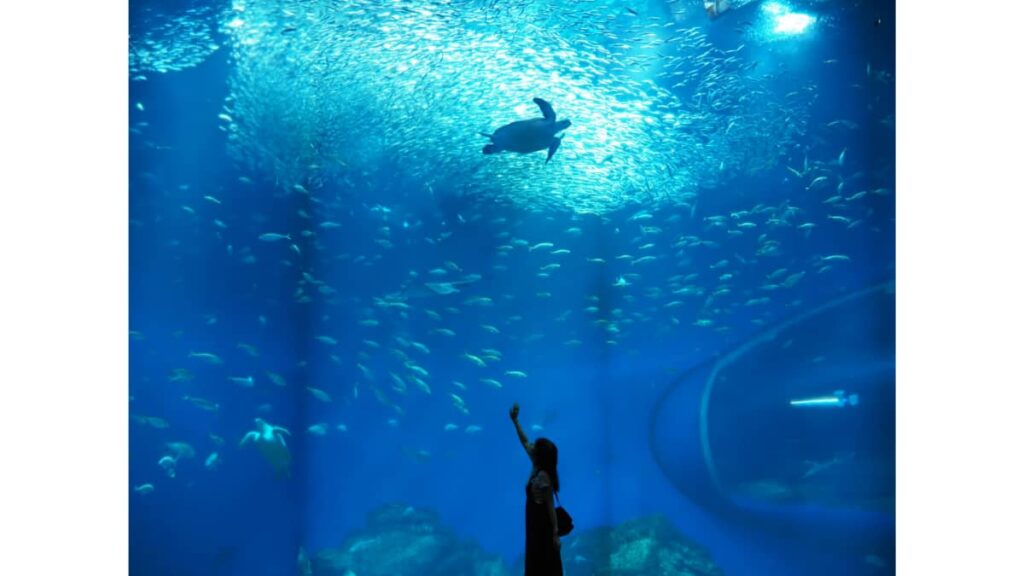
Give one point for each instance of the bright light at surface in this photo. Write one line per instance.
(792, 23)
(784, 20)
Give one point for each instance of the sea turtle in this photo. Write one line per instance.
(269, 439)
(532, 135)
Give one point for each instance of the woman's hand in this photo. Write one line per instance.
(558, 542)
(513, 412)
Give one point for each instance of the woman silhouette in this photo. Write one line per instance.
(543, 548)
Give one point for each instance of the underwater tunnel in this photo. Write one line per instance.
(794, 430)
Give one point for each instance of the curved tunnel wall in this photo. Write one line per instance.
(726, 435)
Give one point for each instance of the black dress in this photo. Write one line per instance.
(542, 558)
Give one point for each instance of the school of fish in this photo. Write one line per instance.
(612, 245)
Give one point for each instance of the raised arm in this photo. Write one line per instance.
(514, 414)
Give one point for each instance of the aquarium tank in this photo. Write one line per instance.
(363, 234)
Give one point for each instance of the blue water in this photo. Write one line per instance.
(201, 281)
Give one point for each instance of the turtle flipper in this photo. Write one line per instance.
(545, 109)
(278, 434)
(253, 436)
(555, 143)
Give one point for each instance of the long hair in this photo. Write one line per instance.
(545, 457)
